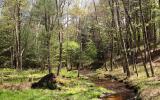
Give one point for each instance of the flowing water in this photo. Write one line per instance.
(122, 91)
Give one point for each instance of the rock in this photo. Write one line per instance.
(48, 81)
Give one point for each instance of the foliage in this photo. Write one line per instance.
(90, 52)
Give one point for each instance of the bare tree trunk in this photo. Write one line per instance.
(97, 38)
(133, 46)
(80, 59)
(60, 53)
(146, 44)
(68, 58)
(18, 37)
(111, 3)
(122, 40)
(96, 34)
(60, 39)
(12, 57)
(48, 55)
(105, 66)
(47, 28)
(95, 9)
(153, 25)
(138, 44)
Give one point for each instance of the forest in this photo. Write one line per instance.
(79, 49)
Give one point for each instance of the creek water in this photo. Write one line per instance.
(122, 91)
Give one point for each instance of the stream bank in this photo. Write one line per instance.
(123, 90)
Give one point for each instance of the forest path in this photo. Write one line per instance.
(122, 92)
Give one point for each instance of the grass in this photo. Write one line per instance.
(75, 93)
(73, 88)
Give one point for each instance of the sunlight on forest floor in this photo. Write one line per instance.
(15, 85)
(71, 87)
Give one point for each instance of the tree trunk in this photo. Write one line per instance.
(48, 57)
(111, 3)
(146, 44)
(60, 53)
(47, 28)
(12, 57)
(18, 37)
(133, 46)
(122, 40)
(138, 45)
(68, 61)
(60, 38)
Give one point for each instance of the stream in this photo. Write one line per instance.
(122, 91)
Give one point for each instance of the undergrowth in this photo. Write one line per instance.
(71, 87)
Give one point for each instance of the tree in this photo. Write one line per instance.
(60, 7)
(146, 45)
(45, 11)
(13, 11)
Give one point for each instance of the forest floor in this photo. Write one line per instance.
(17, 86)
(91, 85)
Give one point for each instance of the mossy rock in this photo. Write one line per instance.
(48, 81)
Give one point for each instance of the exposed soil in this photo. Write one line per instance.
(19, 86)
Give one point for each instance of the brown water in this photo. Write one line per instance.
(122, 92)
(121, 89)
(113, 97)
